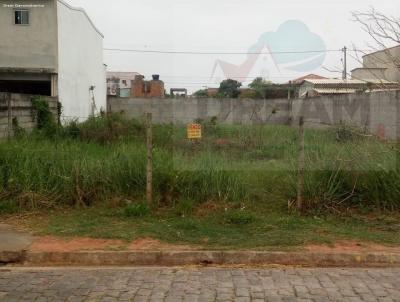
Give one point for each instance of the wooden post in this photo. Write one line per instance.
(149, 170)
(301, 167)
(9, 115)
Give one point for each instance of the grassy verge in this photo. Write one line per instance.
(213, 227)
(232, 189)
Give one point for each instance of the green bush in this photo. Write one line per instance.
(8, 207)
(184, 207)
(137, 210)
(106, 129)
(240, 217)
(45, 121)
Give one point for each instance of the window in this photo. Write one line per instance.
(21, 17)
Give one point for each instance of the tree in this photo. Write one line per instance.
(384, 31)
(381, 28)
(261, 86)
(202, 93)
(250, 94)
(229, 89)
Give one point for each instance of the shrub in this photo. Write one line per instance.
(72, 130)
(110, 128)
(184, 207)
(240, 217)
(44, 118)
(17, 129)
(137, 210)
(8, 207)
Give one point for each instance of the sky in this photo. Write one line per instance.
(230, 26)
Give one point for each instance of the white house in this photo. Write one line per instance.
(120, 83)
(51, 48)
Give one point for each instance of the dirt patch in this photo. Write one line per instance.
(53, 244)
(153, 244)
(211, 207)
(352, 246)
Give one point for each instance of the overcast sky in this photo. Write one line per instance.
(225, 26)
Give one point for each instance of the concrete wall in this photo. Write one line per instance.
(80, 63)
(377, 112)
(240, 111)
(20, 106)
(29, 46)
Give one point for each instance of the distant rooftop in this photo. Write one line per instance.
(382, 50)
(123, 74)
(309, 76)
(347, 82)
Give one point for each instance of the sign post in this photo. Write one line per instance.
(194, 131)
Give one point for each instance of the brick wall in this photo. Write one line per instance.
(147, 89)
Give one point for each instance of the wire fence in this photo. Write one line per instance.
(224, 159)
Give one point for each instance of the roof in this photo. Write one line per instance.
(347, 82)
(382, 50)
(335, 90)
(309, 76)
(122, 74)
(369, 68)
(341, 90)
(79, 9)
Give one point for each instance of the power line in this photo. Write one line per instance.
(221, 53)
(233, 77)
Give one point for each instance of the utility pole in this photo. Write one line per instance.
(344, 49)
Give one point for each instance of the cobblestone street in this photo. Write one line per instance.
(192, 284)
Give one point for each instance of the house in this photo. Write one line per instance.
(212, 92)
(311, 76)
(51, 48)
(296, 83)
(179, 92)
(147, 89)
(120, 83)
(313, 88)
(380, 65)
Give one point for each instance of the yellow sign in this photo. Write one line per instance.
(194, 131)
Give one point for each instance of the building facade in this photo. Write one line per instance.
(51, 48)
(147, 89)
(120, 83)
(380, 65)
(314, 88)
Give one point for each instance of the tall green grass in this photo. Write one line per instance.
(105, 158)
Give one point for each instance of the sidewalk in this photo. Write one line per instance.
(13, 244)
(23, 249)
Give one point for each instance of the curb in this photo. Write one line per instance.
(208, 258)
(12, 257)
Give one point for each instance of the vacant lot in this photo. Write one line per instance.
(234, 188)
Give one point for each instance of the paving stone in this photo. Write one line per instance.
(200, 285)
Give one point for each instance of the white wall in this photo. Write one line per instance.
(80, 54)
